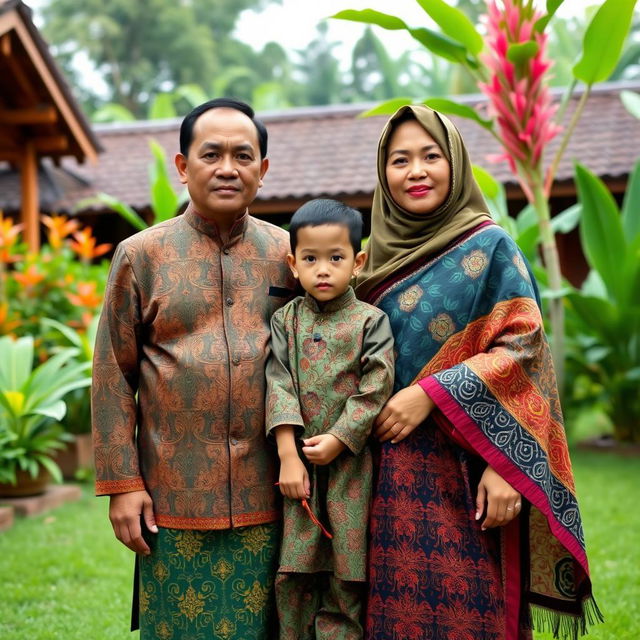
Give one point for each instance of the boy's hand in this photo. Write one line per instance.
(294, 479)
(403, 412)
(322, 449)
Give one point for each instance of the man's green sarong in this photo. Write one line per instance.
(205, 585)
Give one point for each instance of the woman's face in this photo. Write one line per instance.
(418, 173)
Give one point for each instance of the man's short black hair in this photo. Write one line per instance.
(326, 211)
(186, 128)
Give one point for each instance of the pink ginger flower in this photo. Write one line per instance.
(518, 98)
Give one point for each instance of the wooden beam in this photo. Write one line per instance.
(50, 144)
(44, 114)
(56, 94)
(5, 45)
(11, 155)
(30, 196)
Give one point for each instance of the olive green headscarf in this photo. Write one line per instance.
(399, 237)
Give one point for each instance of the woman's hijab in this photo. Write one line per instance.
(398, 237)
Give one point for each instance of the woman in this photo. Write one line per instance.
(474, 518)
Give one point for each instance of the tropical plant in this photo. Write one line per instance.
(605, 312)
(165, 201)
(510, 67)
(59, 337)
(61, 280)
(32, 405)
(164, 104)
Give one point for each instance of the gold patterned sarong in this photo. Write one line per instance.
(209, 584)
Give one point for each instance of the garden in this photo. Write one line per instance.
(63, 573)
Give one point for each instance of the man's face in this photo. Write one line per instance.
(223, 169)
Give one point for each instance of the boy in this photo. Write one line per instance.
(329, 374)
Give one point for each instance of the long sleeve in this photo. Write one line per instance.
(282, 406)
(353, 427)
(115, 383)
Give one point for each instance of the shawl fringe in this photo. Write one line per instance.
(563, 625)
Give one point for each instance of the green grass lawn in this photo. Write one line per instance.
(64, 575)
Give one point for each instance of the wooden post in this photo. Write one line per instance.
(30, 198)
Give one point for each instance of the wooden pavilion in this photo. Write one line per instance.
(39, 116)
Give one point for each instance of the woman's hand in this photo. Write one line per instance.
(502, 501)
(402, 414)
(294, 478)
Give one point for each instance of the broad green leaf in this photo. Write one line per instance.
(631, 101)
(192, 93)
(528, 240)
(16, 359)
(454, 23)
(522, 52)
(455, 108)
(162, 107)
(597, 313)
(594, 286)
(489, 186)
(369, 16)
(442, 46)
(601, 229)
(51, 467)
(527, 217)
(70, 334)
(603, 40)
(112, 112)
(72, 377)
(435, 42)
(387, 108)
(552, 7)
(164, 200)
(55, 410)
(118, 206)
(548, 294)
(567, 220)
(631, 205)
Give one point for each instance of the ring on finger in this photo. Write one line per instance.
(518, 505)
(509, 508)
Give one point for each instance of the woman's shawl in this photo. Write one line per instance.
(468, 329)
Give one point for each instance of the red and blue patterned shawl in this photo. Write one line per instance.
(468, 328)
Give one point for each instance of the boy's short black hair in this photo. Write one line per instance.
(326, 211)
(186, 128)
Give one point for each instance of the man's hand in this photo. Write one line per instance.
(322, 449)
(294, 478)
(125, 510)
(403, 412)
(503, 502)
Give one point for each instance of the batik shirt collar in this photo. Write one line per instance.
(210, 228)
(340, 302)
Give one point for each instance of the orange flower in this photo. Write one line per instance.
(30, 277)
(8, 238)
(59, 227)
(7, 325)
(85, 245)
(86, 296)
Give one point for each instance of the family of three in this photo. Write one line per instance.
(301, 439)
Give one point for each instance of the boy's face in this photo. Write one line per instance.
(324, 261)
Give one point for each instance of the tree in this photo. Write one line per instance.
(320, 70)
(145, 47)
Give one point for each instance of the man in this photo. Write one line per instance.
(178, 391)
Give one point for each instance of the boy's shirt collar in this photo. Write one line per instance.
(343, 300)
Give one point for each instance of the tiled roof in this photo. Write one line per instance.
(326, 151)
